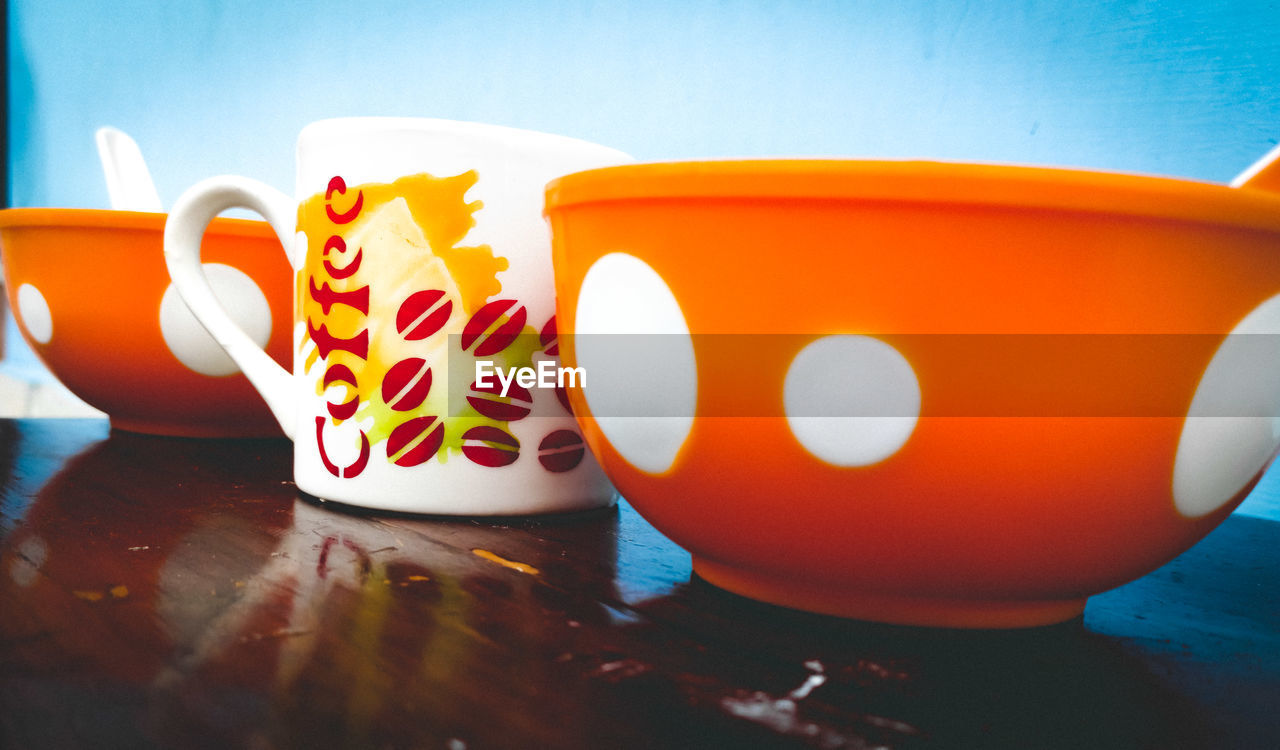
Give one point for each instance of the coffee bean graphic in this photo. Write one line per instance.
(561, 451)
(406, 384)
(415, 441)
(549, 339)
(487, 400)
(562, 396)
(422, 314)
(488, 342)
(490, 446)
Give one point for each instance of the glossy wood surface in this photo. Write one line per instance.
(161, 593)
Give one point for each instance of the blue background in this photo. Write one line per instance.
(1180, 88)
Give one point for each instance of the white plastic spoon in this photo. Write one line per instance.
(1264, 174)
(129, 183)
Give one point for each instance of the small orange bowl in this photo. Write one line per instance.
(921, 393)
(92, 298)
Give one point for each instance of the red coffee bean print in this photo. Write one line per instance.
(562, 396)
(490, 446)
(561, 451)
(415, 441)
(474, 332)
(422, 314)
(406, 384)
(488, 401)
(340, 373)
(549, 339)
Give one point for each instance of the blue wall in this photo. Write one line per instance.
(1184, 87)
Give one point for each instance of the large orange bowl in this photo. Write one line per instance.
(91, 296)
(921, 393)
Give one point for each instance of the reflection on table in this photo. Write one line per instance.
(171, 593)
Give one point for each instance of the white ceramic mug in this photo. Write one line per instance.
(419, 249)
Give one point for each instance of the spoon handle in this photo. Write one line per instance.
(129, 184)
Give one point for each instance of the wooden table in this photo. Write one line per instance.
(178, 593)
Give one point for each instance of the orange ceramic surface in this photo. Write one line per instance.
(1058, 325)
(99, 278)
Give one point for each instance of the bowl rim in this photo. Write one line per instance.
(104, 218)
(938, 183)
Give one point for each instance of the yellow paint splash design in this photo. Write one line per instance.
(438, 208)
(504, 562)
(422, 217)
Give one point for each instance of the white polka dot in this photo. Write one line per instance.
(1231, 427)
(35, 314)
(851, 400)
(188, 340)
(642, 389)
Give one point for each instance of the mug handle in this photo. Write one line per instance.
(183, 230)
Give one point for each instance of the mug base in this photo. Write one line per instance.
(462, 506)
(787, 591)
(569, 514)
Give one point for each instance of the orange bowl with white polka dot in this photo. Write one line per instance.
(921, 393)
(91, 295)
